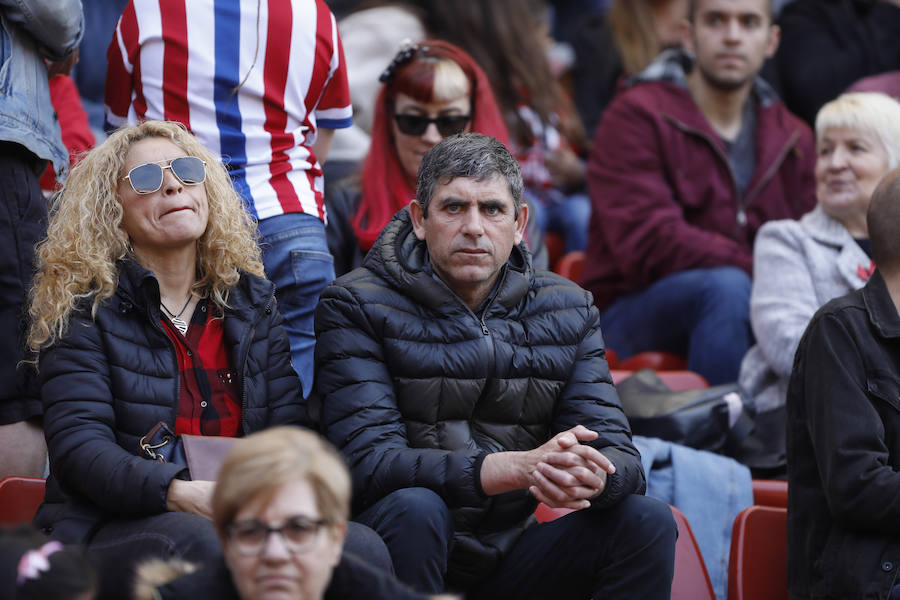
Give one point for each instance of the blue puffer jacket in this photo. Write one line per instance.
(417, 389)
(112, 378)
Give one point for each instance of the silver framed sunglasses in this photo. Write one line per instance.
(148, 178)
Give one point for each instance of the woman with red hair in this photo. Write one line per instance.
(430, 90)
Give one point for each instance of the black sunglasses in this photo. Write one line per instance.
(417, 124)
(147, 178)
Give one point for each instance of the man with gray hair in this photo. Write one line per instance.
(463, 386)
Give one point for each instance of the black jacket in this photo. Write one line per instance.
(827, 45)
(843, 443)
(111, 378)
(417, 389)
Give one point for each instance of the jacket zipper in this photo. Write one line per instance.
(245, 351)
(742, 201)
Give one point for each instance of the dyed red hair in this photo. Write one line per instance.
(385, 188)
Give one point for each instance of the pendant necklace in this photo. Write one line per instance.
(177, 321)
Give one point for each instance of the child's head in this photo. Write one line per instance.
(33, 567)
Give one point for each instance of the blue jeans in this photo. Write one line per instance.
(701, 313)
(624, 551)
(296, 257)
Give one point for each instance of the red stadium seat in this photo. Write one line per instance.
(678, 381)
(20, 498)
(658, 361)
(757, 568)
(770, 492)
(555, 244)
(571, 266)
(691, 581)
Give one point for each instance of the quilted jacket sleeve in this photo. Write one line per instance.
(79, 424)
(361, 417)
(590, 399)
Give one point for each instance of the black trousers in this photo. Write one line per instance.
(23, 222)
(626, 551)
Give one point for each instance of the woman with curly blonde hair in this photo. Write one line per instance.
(149, 306)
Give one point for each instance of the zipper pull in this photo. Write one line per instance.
(484, 328)
(741, 217)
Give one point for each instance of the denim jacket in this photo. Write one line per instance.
(30, 31)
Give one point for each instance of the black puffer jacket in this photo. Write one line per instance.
(417, 389)
(111, 379)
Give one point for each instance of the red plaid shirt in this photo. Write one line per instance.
(208, 398)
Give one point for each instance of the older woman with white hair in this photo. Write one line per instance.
(798, 266)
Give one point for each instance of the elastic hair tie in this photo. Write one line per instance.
(407, 51)
(35, 562)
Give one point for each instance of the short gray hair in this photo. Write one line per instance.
(470, 155)
(872, 112)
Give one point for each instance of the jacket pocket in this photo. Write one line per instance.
(885, 389)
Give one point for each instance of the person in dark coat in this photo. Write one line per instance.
(829, 44)
(150, 305)
(463, 386)
(843, 435)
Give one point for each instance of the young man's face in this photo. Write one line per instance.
(470, 230)
(731, 39)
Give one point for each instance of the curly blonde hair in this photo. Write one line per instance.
(85, 238)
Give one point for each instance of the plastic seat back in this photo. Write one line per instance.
(757, 568)
(691, 581)
(656, 360)
(571, 266)
(770, 492)
(20, 498)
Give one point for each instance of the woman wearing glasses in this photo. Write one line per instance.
(430, 90)
(280, 508)
(149, 305)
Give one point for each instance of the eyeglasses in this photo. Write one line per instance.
(417, 124)
(297, 533)
(147, 178)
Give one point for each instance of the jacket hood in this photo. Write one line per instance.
(673, 65)
(400, 258)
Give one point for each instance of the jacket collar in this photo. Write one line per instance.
(880, 306)
(673, 65)
(852, 262)
(401, 259)
(138, 287)
(777, 131)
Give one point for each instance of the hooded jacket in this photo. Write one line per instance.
(110, 379)
(417, 389)
(663, 194)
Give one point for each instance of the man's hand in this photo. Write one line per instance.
(190, 497)
(568, 474)
(562, 473)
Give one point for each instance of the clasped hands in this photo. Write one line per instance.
(567, 474)
(561, 473)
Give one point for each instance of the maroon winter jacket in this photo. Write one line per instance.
(664, 198)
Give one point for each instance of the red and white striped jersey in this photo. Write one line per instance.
(252, 79)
